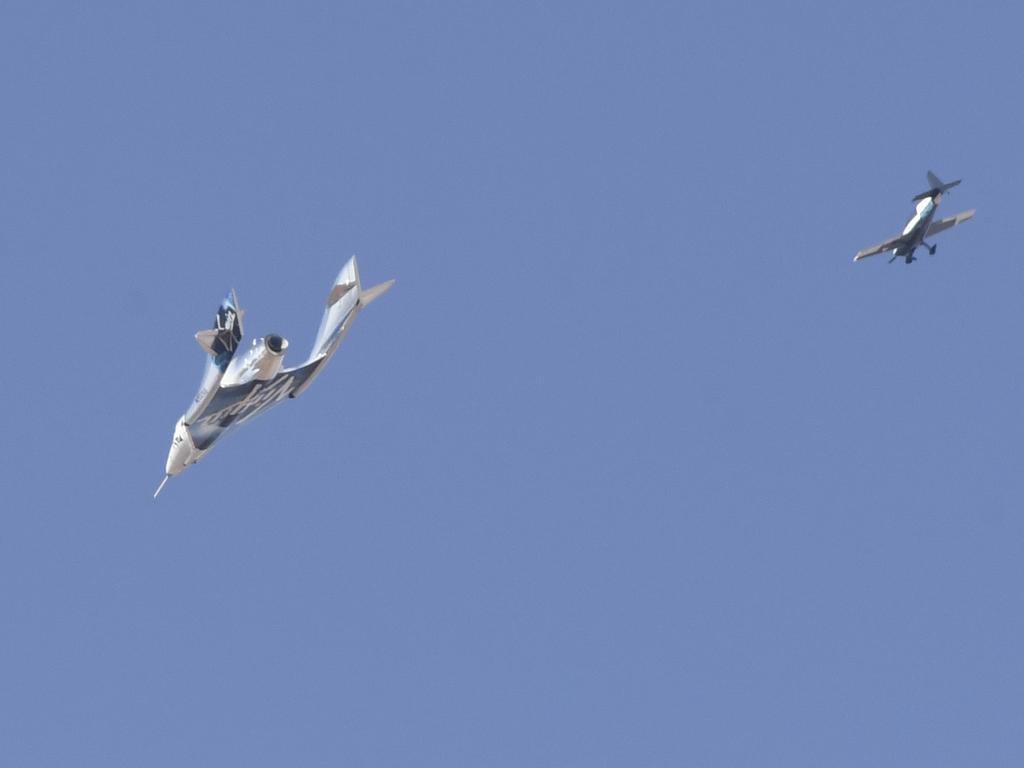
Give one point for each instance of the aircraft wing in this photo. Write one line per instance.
(952, 221)
(888, 245)
(238, 404)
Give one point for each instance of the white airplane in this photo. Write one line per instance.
(236, 389)
(920, 225)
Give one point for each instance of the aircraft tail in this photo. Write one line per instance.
(344, 301)
(365, 297)
(222, 340)
(348, 279)
(938, 186)
(220, 343)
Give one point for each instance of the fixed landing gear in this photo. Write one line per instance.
(908, 256)
(931, 248)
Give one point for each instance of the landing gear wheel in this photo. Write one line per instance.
(931, 249)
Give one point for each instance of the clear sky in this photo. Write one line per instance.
(633, 466)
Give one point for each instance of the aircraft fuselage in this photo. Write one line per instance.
(914, 231)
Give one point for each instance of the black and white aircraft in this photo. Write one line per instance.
(235, 389)
(921, 224)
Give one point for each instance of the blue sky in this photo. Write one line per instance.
(633, 466)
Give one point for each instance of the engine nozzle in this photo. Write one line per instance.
(276, 345)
